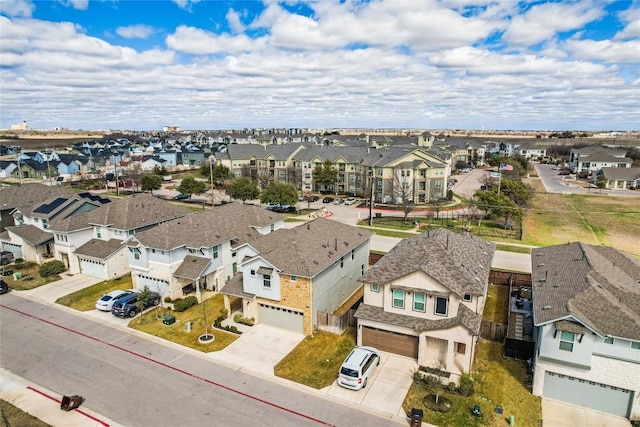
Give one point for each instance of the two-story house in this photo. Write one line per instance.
(92, 243)
(290, 275)
(586, 315)
(424, 299)
(197, 251)
(591, 159)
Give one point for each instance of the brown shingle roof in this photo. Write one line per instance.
(191, 267)
(308, 249)
(31, 234)
(598, 285)
(235, 288)
(209, 228)
(101, 249)
(461, 262)
(26, 195)
(465, 317)
(136, 211)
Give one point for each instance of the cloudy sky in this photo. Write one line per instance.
(459, 64)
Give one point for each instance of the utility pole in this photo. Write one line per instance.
(371, 198)
(211, 179)
(46, 153)
(115, 173)
(18, 152)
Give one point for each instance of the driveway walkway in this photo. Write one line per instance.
(560, 414)
(49, 293)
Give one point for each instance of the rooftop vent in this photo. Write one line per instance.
(546, 307)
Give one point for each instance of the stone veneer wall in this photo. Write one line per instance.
(297, 295)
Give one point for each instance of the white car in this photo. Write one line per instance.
(106, 302)
(338, 201)
(350, 201)
(357, 367)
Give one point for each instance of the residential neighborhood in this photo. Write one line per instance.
(422, 304)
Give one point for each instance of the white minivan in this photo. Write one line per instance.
(357, 367)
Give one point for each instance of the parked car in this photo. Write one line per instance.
(564, 172)
(311, 198)
(327, 200)
(6, 257)
(106, 302)
(357, 367)
(338, 201)
(4, 288)
(273, 206)
(350, 201)
(180, 196)
(465, 170)
(126, 306)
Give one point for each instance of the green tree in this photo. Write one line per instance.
(244, 189)
(160, 170)
(151, 182)
(219, 172)
(497, 205)
(190, 186)
(325, 175)
(515, 190)
(279, 192)
(143, 299)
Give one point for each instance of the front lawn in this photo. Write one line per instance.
(151, 323)
(316, 360)
(497, 382)
(14, 416)
(30, 279)
(85, 299)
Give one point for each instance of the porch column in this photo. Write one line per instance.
(198, 293)
(450, 354)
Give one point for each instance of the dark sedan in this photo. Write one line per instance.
(327, 200)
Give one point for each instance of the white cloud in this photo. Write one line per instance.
(139, 31)
(631, 19)
(544, 21)
(233, 19)
(76, 4)
(605, 50)
(17, 8)
(200, 42)
(186, 4)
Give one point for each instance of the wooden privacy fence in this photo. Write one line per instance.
(509, 279)
(493, 331)
(336, 324)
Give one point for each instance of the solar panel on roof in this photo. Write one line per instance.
(95, 198)
(45, 209)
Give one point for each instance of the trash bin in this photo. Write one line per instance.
(17, 275)
(169, 319)
(71, 402)
(187, 326)
(416, 417)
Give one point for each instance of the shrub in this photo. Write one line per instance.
(224, 313)
(237, 317)
(186, 303)
(168, 299)
(451, 387)
(233, 329)
(466, 385)
(51, 268)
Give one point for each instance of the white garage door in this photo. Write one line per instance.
(154, 284)
(92, 268)
(280, 317)
(600, 397)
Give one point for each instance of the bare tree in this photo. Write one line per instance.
(403, 191)
(263, 174)
(437, 202)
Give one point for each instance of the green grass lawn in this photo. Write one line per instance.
(497, 382)
(13, 416)
(85, 299)
(30, 276)
(151, 323)
(511, 248)
(496, 309)
(316, 360)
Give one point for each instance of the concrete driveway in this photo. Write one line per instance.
(68, 284)
(385, 390)
(560, 414)
(258, 349)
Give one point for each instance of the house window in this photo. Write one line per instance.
(467, 297)
(635, 345)
(375, 287)
(566, 340)
(215, 252)
(353, 253)
(362, 270)
(419, 302)
(341, 262)
(266, 281)
(253, 272)
(398, 298)
(136, 253)
(98, 234)
(461, 348)
(608, 340)
(292, 278)
(273, 227)
(233, 254)
(441, 306)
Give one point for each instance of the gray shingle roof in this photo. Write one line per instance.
(191, 267)
(598, 285)
(461, 262)
(136, 211)
(627, 174)
(465, 317)
(234, 287)
(31, 234)
(26, 195)
(208, 228)
(101, 249)
(308, 249)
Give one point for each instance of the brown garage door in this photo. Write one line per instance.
(404, 345)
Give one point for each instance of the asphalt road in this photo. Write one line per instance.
(138, 382)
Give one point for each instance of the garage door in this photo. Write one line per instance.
(280, 317)
(154, 284)
(600, 397)
(391, 342)
(92, 268)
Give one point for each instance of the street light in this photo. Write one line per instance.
(371, 197)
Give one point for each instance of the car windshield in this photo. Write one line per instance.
(349, 372)
(105, 298)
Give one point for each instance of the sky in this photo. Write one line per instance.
(420, 64)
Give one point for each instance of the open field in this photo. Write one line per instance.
(595, 219)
